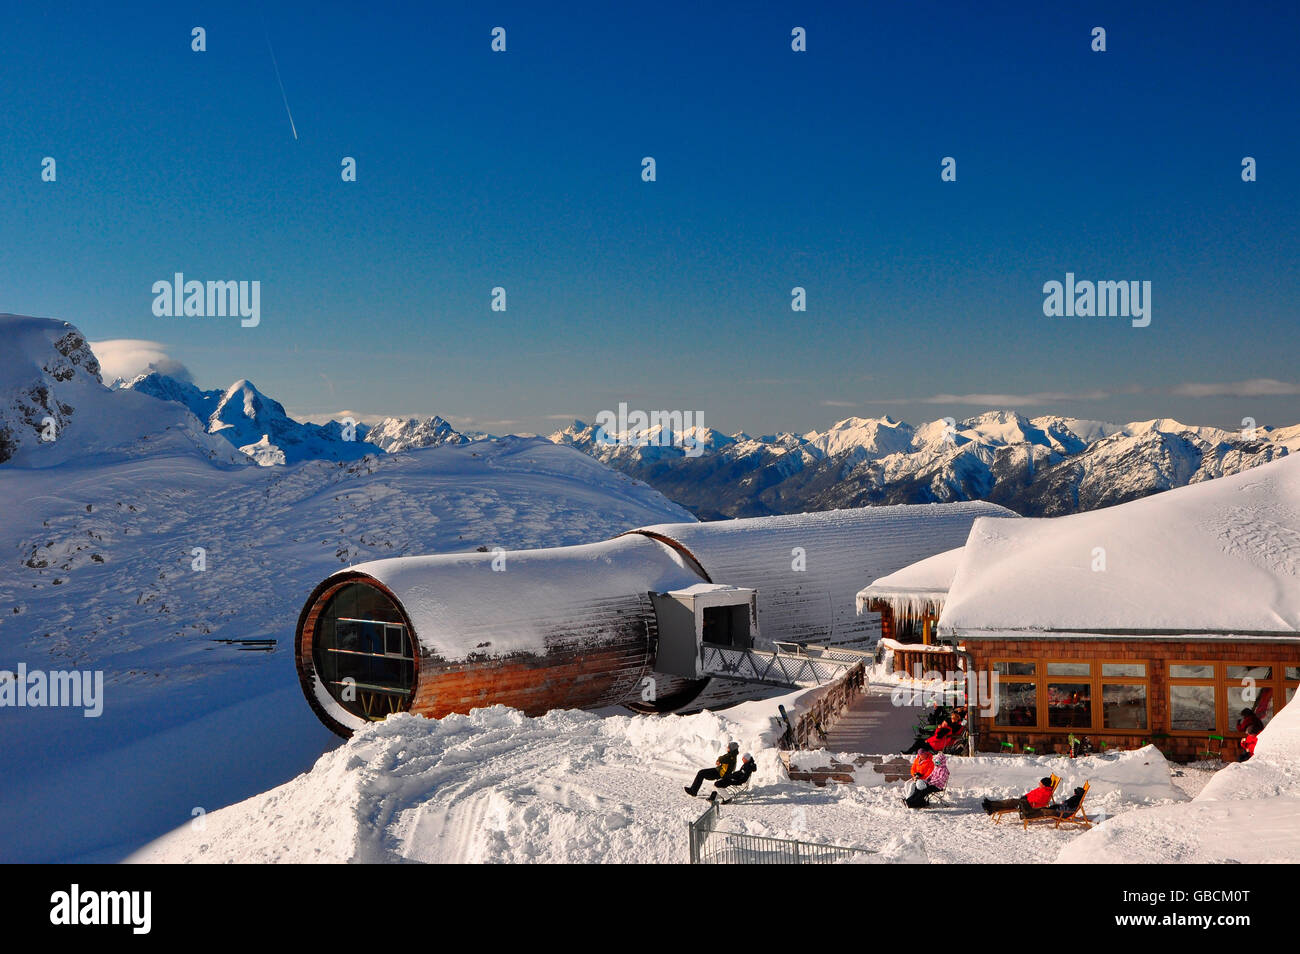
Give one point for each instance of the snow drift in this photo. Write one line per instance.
(1248, 813)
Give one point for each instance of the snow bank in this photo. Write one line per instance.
(1135, 777)
(492, 786)
(1249, 812)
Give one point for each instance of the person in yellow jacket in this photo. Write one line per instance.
(725, 763)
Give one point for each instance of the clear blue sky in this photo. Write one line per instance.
(775, 169)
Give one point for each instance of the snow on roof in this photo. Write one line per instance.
(460, 606)
(705, 589)
(838, 550)
(1221, 556)
(915, 589)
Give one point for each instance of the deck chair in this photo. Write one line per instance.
(725, 796)
(997, 816)
(1077, 817)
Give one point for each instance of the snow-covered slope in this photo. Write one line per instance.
(496, 786)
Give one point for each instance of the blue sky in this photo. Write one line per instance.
(775, 169)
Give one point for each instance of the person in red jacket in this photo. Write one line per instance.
(1251, 724)
(1040, 797)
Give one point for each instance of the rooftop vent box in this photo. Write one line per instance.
(704, 613)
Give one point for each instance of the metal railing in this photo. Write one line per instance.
(789, 664)
(709, 846)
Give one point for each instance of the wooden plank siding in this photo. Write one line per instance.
(1157, 654)
(596, 659)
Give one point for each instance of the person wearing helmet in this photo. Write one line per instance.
(724, 764)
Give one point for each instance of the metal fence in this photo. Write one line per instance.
(789, 664)
(709, 846)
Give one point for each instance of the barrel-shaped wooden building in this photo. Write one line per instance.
(569, 627)
(580, 626)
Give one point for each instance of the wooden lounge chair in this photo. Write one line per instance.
(997, 816)
(1077, 817)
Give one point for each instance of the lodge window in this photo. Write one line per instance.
(1192, 698)
(1017, 693)
(1069, 702)
(1209, 697)
(1067, 690)
(1064, 695)
(1245, 692)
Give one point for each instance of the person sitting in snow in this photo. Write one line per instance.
(725, 763)
(1251, 724)
(739, 777)
(1040, 797)
(933, 781)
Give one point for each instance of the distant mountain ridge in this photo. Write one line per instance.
(1041, 466)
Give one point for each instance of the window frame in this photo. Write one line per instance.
(1035, 680)
(1095, 681)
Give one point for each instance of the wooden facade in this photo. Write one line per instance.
(1182, 694)
(601, 665)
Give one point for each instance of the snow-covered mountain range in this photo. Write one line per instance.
(1039, 466)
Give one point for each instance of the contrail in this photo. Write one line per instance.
(280, 81)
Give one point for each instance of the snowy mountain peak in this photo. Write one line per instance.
(55, 408)
(395, 434)
(166, 388)
(863, 436)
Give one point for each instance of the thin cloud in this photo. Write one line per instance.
(127, 358)
(1252, 387)
(1002, 400)
(839, 404)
